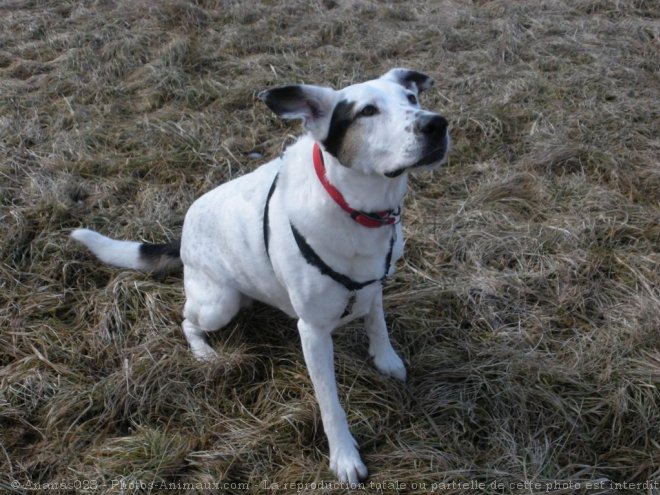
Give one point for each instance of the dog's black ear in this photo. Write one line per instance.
(410, 79)
(312, 104)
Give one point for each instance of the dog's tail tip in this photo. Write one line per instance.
(124, 254)
(84, 235)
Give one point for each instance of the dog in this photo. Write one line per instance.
(314, 232)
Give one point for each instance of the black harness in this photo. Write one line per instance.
(315, 260)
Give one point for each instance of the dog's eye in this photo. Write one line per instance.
(368, 111)
(412, 99)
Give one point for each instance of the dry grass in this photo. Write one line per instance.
(527, 305)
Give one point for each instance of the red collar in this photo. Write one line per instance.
(371, 220)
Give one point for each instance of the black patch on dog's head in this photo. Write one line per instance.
(410, 79)
(421, 81)
(341, 120)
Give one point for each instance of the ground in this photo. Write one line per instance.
(527, 305)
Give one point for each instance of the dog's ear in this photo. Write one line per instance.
(312, 104)
(410, 79)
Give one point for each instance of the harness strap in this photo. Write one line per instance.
(266, 224)
(314, 259)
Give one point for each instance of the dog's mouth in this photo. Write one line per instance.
(434, 157)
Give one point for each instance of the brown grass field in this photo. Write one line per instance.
(527, 305)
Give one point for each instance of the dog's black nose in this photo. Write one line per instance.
(432, 126)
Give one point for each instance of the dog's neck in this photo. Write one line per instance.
(365, 192)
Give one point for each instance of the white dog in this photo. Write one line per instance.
(313, 233)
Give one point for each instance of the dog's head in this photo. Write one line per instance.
(376, 127)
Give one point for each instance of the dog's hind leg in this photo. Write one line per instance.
(385, 357)
(209, 307)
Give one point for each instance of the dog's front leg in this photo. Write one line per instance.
(345, 459)
(386, 359)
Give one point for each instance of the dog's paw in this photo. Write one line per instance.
(390, 364)
(204, 352)
(348, 466)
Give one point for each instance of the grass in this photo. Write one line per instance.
(527, 305)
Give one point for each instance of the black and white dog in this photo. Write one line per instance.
(312, 233)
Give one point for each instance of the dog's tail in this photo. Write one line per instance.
(159, 259)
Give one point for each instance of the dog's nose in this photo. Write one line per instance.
(432, 126)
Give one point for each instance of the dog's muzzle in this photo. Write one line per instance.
(432, 128)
